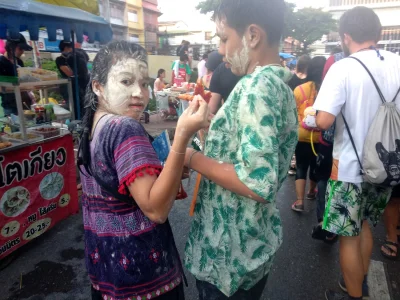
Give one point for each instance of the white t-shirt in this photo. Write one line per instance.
(348, 88)
(202, 68)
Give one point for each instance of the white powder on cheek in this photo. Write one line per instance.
(220, 27)
(241, 58)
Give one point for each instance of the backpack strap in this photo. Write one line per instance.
(354, 145)
(373, 79)
(303, 93)
(398, 92)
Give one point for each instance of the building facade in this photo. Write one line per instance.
(150, 15)
(388, 12)
(135, 21)
(174, 32)
(126, 19)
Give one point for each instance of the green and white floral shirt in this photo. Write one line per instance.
(233, 239)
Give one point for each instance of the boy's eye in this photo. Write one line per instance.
(145, 85)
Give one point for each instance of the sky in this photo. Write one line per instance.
(184, 10)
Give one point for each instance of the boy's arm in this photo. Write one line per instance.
(222, 174)
(255, 175)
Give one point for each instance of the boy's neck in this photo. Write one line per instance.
(263, 57)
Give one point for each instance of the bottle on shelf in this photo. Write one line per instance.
(7, 129)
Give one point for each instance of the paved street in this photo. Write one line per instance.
(52, 267)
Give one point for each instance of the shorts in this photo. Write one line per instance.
(349, 204)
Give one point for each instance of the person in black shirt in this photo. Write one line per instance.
(222, 83)
(18, 47)
(301, 72)
(65, 64)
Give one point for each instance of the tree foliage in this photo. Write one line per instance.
(207, 6)
(306, 25)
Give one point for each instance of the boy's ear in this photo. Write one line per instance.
(255, 35)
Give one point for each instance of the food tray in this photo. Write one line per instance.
(46, 131)
(43, 75)
(17, 136)
(14, 143)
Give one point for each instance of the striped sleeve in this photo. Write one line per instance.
(133, 153)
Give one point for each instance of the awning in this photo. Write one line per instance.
(21, 15)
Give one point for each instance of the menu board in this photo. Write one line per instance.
(37, 190)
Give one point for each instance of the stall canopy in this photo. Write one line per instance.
(21, 15)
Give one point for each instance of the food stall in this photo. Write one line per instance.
(37, 164)
(180, 97)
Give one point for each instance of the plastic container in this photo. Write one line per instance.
(46, 131)
(42, 75)
(32, 137)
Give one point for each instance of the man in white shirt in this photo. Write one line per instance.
(348, 91)
(202, 66)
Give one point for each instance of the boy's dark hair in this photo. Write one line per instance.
(205, 56)
(316, 70)
(184, 57)
(362, 24)
(268, 14)
(64, 44)
(160, 72)
(302, 63)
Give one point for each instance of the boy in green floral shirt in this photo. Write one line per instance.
(237, 228)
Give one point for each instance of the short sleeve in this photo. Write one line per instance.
(61, 61)
(329, 63)
(132, 152)
(188, 70)
(214, 84)
(332, 95)
(258, 152)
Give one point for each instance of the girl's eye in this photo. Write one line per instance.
(126, 82)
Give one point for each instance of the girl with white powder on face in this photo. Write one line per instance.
(127, 194)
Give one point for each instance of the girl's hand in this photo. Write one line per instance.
(194, 118)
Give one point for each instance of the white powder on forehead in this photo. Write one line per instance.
(117, 95)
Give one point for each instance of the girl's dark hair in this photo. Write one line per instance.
(302, 64)
(105, 59)
(160, 72)
(316, 70)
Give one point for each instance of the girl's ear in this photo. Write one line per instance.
(97, 88)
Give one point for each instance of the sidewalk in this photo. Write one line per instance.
(157, 126)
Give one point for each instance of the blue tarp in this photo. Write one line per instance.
(281, 54)
(21, 15)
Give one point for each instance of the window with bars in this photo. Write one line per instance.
(116, 11)
(133, 16)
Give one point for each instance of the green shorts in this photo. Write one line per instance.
(349, 204)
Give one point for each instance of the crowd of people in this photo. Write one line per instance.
(259, 115)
